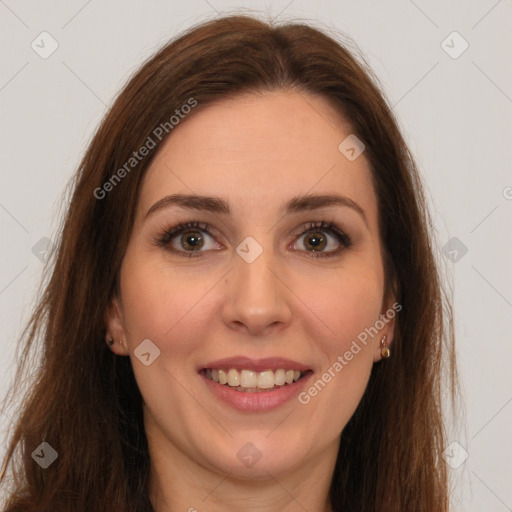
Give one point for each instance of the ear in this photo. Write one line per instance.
(115, 328)
(386, 325)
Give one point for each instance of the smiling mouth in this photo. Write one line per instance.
(250, 381)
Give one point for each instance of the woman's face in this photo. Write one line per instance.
(258, 287)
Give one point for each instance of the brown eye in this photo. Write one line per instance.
(315, 241)
(317, 236)
(192, 240)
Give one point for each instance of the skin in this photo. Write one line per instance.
(284, 304)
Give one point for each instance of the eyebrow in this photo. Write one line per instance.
(220, 206)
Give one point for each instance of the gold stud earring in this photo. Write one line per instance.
(384, 351)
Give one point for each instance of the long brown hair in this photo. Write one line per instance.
(84, 401)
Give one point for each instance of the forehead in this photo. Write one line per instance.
(257, 150)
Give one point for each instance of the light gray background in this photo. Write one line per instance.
(455, 114)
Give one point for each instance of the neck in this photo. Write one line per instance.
(218, 492)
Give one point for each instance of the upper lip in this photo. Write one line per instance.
(256, 365)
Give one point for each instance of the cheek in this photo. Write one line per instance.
(355, 309)
(160, 303)
(348, 303)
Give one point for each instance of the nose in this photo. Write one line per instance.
(256, 296)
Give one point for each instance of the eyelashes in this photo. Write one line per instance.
(195, 240)
(165, 237)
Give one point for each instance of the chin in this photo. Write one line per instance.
(256, 455)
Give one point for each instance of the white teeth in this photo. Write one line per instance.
(279, 377)
(233, 378)
(248, 379)
(266, 379)
(251, 381)
(223, 378)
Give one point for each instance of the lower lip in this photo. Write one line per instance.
(259, 401)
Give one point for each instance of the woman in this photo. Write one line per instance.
(245, 310)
